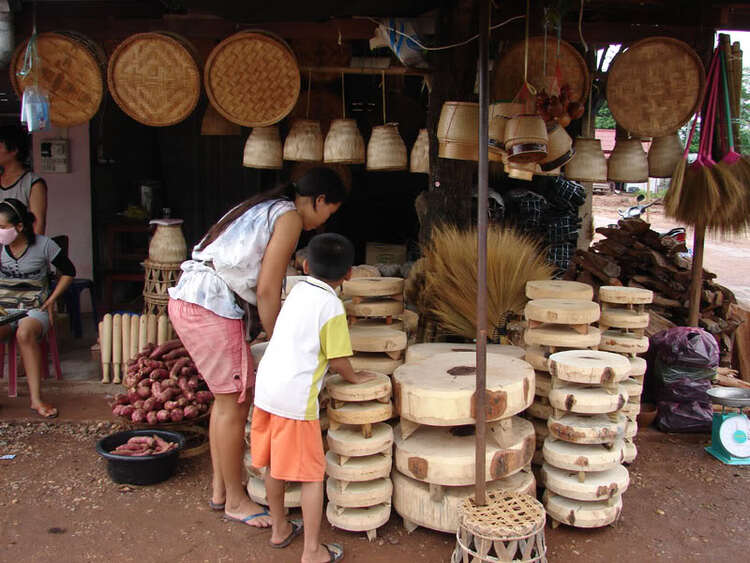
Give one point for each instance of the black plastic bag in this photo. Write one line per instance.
(686, 346)
(685, 390)
(692, 416)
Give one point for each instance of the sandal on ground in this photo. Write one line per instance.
(297, 529)
(216, 505)
(247, 519)
(335, 551)
(45, 411)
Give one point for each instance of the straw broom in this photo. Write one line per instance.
(450, 274)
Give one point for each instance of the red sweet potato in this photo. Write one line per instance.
(193, 383)
(182, 402)
(127, 410)
(139, 415)
(170, 405)
(150, 405)
(121, 399)
(176, 415)
(191, 411)
(132, 396)
(180, 352)
(143, 391)
(162, 349)
(158, 374)
(138, 404)
(163, 415)
(179, 364)
(204, 397)
(151, 417)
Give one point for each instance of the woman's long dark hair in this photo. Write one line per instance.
(315, 182)
(16, 212)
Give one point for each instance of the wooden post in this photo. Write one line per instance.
(696, 282)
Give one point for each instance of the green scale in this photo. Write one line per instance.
(730, 432)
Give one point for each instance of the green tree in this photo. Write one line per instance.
(604, 119)
(744, 141)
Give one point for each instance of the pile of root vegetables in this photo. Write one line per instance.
(139, 446)
(163, 386)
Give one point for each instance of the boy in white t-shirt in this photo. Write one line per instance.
(310, 335)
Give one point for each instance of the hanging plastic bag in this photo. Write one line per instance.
(35, 109)
(686, 347)
(684, 417)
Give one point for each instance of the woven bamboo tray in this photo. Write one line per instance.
(73, 75)
(655, 87)
(507, 77)
(252, 79)
(154, 77)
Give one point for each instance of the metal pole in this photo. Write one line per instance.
(484, 113)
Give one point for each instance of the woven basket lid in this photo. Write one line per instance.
(154, 78)
(252, 79)
(507, 77)
(655, 87)
(72, 75)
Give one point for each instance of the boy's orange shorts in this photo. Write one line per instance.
(293, 449)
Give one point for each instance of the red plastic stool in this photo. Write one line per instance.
(49, 347)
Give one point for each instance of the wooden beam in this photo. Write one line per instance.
(394, 70)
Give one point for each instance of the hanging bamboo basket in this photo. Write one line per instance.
(588, 163)
(663, 156)
(458, 132)
(263, 148)
(500, 113)
(386, 150)
(526, 138)
(344, 143)
(419, 162)
(304, 142)
(628, 162)
(559, 151)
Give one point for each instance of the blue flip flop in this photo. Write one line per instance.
(247, 519)
(216, 505)
(297, 529)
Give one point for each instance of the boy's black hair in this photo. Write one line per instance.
(16, 138)
(329, 256)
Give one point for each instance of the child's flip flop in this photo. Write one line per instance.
(335, 551)
(246, 520)
(297, 528)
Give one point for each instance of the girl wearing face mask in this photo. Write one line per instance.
(26, 262)
(228, 293)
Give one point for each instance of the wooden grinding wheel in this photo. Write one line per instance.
(440, 391)
(590, 367)
(631, 410)
(582, 514)
(596, 429)
(256, 490)
(154, 78)
(623, 343)
(540, 408)
(364, 413)
(358, 519)
(419, 504)
(380, 363)
(600, 485)
(252, 79)
(625, 295)
(543, 384)
(638, 367)
(358, 469)
(575, 312)
(422, 351)
(622, 318)
(363, 322)
(538, 358)
(373, 287)
(630, 452)
(559, 289)
(446, 456)
(586, 458)
(633, 388)
(561, 336)
(587, 400)
(341, 390)
(348, 441)
(374, 307)
(359, 495)
(378, 339)
(72, 75)
(631, 427)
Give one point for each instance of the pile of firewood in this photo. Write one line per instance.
(633, 255)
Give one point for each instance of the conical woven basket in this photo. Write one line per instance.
(500, 113)
(216, 124)
(663, 156)
(263, 148)
(628, 162)
(588, 163)
(526, 138)
(419, 162)
(386, 150)
(344, 143)
(559, 149)
(304, 142)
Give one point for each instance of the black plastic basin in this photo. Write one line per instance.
(144, 470)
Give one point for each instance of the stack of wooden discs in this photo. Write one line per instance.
(435, 440)
(582, 470)
(378, 337)
(359, 458)
(623, 322)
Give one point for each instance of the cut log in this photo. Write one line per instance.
(359, 495)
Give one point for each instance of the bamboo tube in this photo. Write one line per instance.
(142, 332)
(151, 329)
(162, 330)
(105, 344)
(126, 339)
(134, 324)
(117, 347)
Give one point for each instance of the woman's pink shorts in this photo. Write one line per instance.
(217, 346)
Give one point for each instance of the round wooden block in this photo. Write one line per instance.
(396, 324)
(257, 350)
(630, 452)
(368, 412)
(358, 469)
(446, 456)
(632, 387)
(348, 440)
(582, 514)
(561, 336)
(410, 319)
(418, 352)
(375, 308)
(638, 366)
(441, 391)
(596, 429)
(590, 367)
(587, 400)
(623, 318)
(538, 358)
(562, 311)
(625, 295)
(359, 495)
(543, 383)
(540, 409)
(580, 457)
(374, 361)
(413, 500)
(559, 289)
(341, 390)
(600, 485)
(358, 519)
(373, 287)
(616, 341)
(540, 431)
(256, 490)
(631, 429)
(631, 410)
(376, 338)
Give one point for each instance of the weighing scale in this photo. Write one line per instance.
(730, 432)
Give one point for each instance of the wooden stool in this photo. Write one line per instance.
(582, 514)
(575, 313)
(564, 336)
(559, 289)
(595, 429)
(378, 339)
(589, 367)
(375, 361)
(367, 519)
(579, 399)
(598, 485)
(418, 352)
(623, 342)
(362, 415)
(582, 458)
(378, 389)
(359, 495)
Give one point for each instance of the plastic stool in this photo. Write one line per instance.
(72, 298)
(49, 347)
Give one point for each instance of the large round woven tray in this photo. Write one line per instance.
(655, 87)
(154, 78)
(252, 79)
(507, 77)
(73, 75)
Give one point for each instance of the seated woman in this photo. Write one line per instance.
(16, 180)
(26, 262)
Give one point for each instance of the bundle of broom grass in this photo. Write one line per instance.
(445, 284)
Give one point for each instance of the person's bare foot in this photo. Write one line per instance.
(247, 508)
(45, 410)
(320, 556)
(219, 493)
(278, 536)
